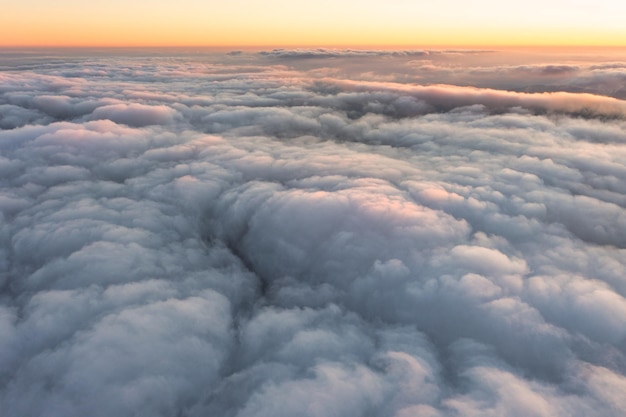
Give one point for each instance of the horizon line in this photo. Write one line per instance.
(314, 46)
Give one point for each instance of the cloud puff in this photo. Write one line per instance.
(218, 235)
(135, 114)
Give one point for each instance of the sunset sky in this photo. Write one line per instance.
(324, 22)
(246, 208)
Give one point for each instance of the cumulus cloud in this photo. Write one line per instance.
(135, 114)
(229, 235)
(445, 98)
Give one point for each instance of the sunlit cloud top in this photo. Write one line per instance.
(325, 22)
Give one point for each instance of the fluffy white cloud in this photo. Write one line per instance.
(219, 235)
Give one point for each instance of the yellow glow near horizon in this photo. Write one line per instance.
(324, 22)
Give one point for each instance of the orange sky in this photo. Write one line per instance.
(324, 22)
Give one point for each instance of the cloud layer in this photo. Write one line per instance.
(238, 235)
